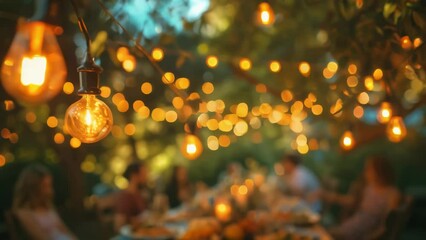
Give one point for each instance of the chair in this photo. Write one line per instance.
(397, 219)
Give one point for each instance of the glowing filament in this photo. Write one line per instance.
(33, 70)
(191, 148)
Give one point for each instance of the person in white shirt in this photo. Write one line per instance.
(300, 181)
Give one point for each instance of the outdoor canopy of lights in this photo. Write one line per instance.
(34, 72)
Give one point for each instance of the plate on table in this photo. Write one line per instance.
(146, 233)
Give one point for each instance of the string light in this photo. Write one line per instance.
(265, 14)
(34, 69)
(384, 114)
(191, 147)
(395, 129)
(89, 119)
(347, 141)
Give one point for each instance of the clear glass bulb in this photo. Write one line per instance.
(265, 14)
(34, 70)
(89, 119)
(191, 147)
(395, 129)
(347, 141)
(384, 114)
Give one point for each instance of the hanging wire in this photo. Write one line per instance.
(84, 30)
(139, 47)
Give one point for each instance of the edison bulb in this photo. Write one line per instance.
(395, 129)
(265, 14)
(191, 147)
(89, 119)
(34, 70)
(384, 114)
(347, 141)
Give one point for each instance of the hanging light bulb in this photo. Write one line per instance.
(395, 129)
(34, 69)
(384, 114)
(265, 14)
(347, 141)
(191, 146)
(89, 119)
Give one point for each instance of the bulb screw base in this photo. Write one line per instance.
(89, 78)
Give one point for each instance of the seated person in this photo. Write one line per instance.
(379, 197)
(179, 189)
(33, 207)
(130, 203)
(300, 181)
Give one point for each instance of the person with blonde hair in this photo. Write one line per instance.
(33, 207)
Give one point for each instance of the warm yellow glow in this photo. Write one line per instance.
(286, 95)
(191, 147)
(168, 78)
(88, 119)
(157, 54)
(317, 109)
(265, 14)
(242, 110)
(146, 88)
(178, 102)
(332, 67)
(275, 66)
(378, 74)
(301, 139)
(75, 142)
(122, 53)
(352, 69)
(52, 122)
(59, 138)
(406, 43)
(304, 69)
(225, 126)
(137, 105)
(34, 70)
(130, 129)
(182, 83)
(213, 143)
(129, 64)
(212, 61)
(363, 98)
(171, 116)
(241, 128)
(384, 114)
(223, 211)
(327, 73)
(105, 91)
(395, 129)
(245, 64)
(352, 81)
(417, 42)
(369, 83)
(347, 141)
(158, 114)
(358, 112)
(207, 88)
(224, 140)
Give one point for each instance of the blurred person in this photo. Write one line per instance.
(130, 203)
(379, 197)
(300, 181)
(33, 207)
(179, 189)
